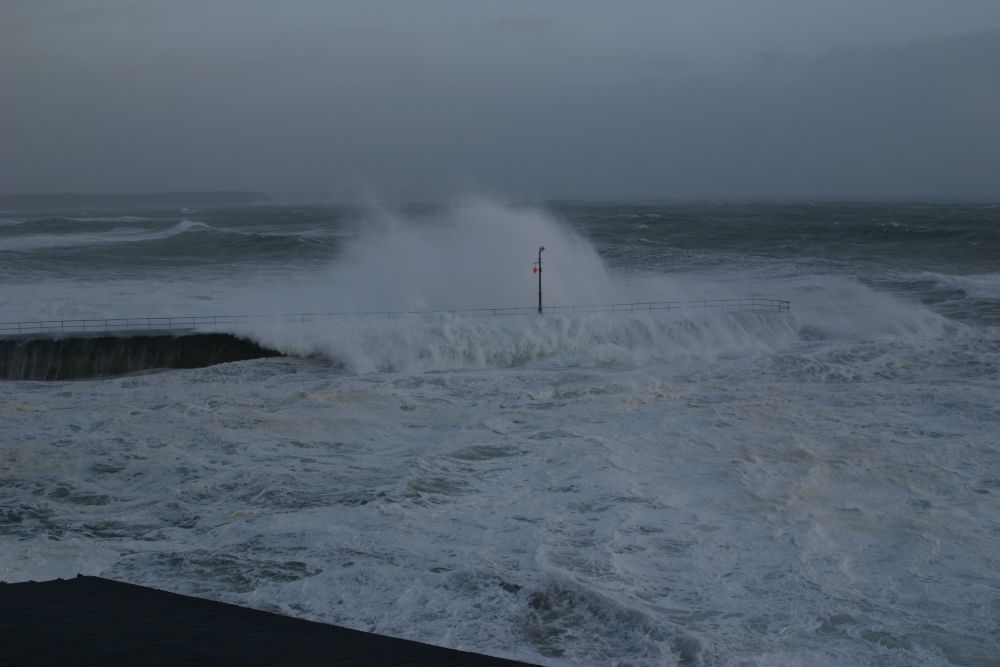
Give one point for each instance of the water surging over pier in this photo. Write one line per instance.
(90, 348)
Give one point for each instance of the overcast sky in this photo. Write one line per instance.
(529, 100)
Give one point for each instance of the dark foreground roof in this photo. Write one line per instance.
(94, 621)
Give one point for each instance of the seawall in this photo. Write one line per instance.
(81, 356)
(93, 621)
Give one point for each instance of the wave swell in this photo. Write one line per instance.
(446, 342)
(51, 239)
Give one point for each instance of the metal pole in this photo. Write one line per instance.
(540, 249)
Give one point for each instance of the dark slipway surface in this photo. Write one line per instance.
(94, 621)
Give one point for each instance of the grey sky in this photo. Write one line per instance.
(565, 98)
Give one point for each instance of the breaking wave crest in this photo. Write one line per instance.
(474, 253)
(48, 240)
(440, 342)
(978, 286)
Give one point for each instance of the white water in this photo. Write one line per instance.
(117, 235)
(814, 488)
(982, 286)
(477, 254)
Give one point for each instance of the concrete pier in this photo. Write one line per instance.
(54, 357)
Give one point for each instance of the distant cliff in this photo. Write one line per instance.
(58, 200)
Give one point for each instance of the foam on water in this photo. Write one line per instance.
(35, 242)
(820, 487)
(979, 286)
(695, 514)
(118, 219)
(442, 342)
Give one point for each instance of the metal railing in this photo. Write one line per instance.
(223, 322)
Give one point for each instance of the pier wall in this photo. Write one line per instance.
(77, 357)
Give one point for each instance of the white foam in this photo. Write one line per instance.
(844, 308)
(978, 286)
(561, 513)
(567, 489)
(475, 254)
(443, 341)
(121, 235)
(118, 218)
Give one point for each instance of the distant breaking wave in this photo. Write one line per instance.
(116, 235)
(118, 218)
(54, 233)
(980, 286)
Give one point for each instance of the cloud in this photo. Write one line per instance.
(27, 17)
(521, 104)
(527, 24)
(670, 62)
(771, 58)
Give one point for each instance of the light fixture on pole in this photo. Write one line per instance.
(538, 269)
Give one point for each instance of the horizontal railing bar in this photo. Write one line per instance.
(121, 324)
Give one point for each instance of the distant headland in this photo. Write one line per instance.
(56, 200)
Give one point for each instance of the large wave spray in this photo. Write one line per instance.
(475, 254)
(478, 254)
(444, 342)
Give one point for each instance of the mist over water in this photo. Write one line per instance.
(691, 487)
(474, 254)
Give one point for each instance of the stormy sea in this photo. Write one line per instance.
(694, 485)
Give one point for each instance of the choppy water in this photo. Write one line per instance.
(814, 488)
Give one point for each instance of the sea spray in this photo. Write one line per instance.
(813, 487)
(446, 342)
(474, 254)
